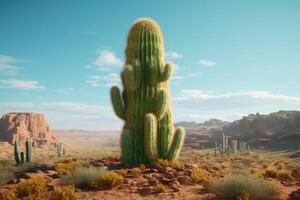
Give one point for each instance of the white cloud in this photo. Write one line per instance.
(172, 55)
(65, 90)
(206, 63)
(230, 105)
(68, 115)
(7, 66)
(107, 80)
(20, 84)
(105, 60)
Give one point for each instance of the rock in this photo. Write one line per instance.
(174, 185)
(295, 195)
(20, 126)
(184, 180)
(148, 190)
(167, 181)
(153, 181)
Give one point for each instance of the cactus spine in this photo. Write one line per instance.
(148, 132)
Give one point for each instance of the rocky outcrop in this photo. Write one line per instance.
(20, 126)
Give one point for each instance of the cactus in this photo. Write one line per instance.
(148, 132)
(59, 150)
(22, 157)
(28, 150)
(16, 153)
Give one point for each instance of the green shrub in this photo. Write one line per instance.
(63, 193)
(233, 186)
(82, 175)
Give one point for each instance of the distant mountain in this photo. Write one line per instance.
(278, 131)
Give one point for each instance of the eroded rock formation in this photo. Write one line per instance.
(20, 126)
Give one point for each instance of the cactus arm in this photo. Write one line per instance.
(127, 146)
(166, 72)
(161, 104)
(177, 144)
(164, 140)
(150, 137)
(128, 78)
(117, 102)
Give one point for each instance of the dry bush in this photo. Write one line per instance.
(122, 172)
(199, 175)
(282, 175)
(31, 189)
(176, 164)
(234, 185)
(82, 176)
(66, 165)
(107, 180)
(63, 193)
(8, 195)
(161, 188)
(135, 172)
(163, 163)
(243, 196)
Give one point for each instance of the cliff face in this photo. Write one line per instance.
(20, 126)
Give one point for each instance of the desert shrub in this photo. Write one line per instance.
(284, 175)
(200, 175)
(63, 193)
(31, 189)
(107, 180)
(122, 172)
(176, 164)
(163, 163)
(270, 173)
(81, 175)
(161, 188)
(233, 186)
(66, 165)
(243, 196)
(136, 172)
(8, 195)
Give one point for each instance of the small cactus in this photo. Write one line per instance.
(16, 153)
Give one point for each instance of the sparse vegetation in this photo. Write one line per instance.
(82, 176)
(66, 165)
(107, 180)
(135, 172)
(63, 193)
(30, 189)
(233, 186)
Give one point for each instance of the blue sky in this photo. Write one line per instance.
(231, 58)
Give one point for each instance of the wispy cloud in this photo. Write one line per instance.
(104, 80)
(230, 105)
(105, 61)
(206, 63)
(65, 90)
(20, 84)
(7, 65)
(172, 55)
(68, 115)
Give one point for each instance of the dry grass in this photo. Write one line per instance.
(233, 186)
(135, 172)
(63, 193)
(66, 165)
(82, 176)
(107, 180)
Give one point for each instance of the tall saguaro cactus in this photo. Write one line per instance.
(148, 132)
